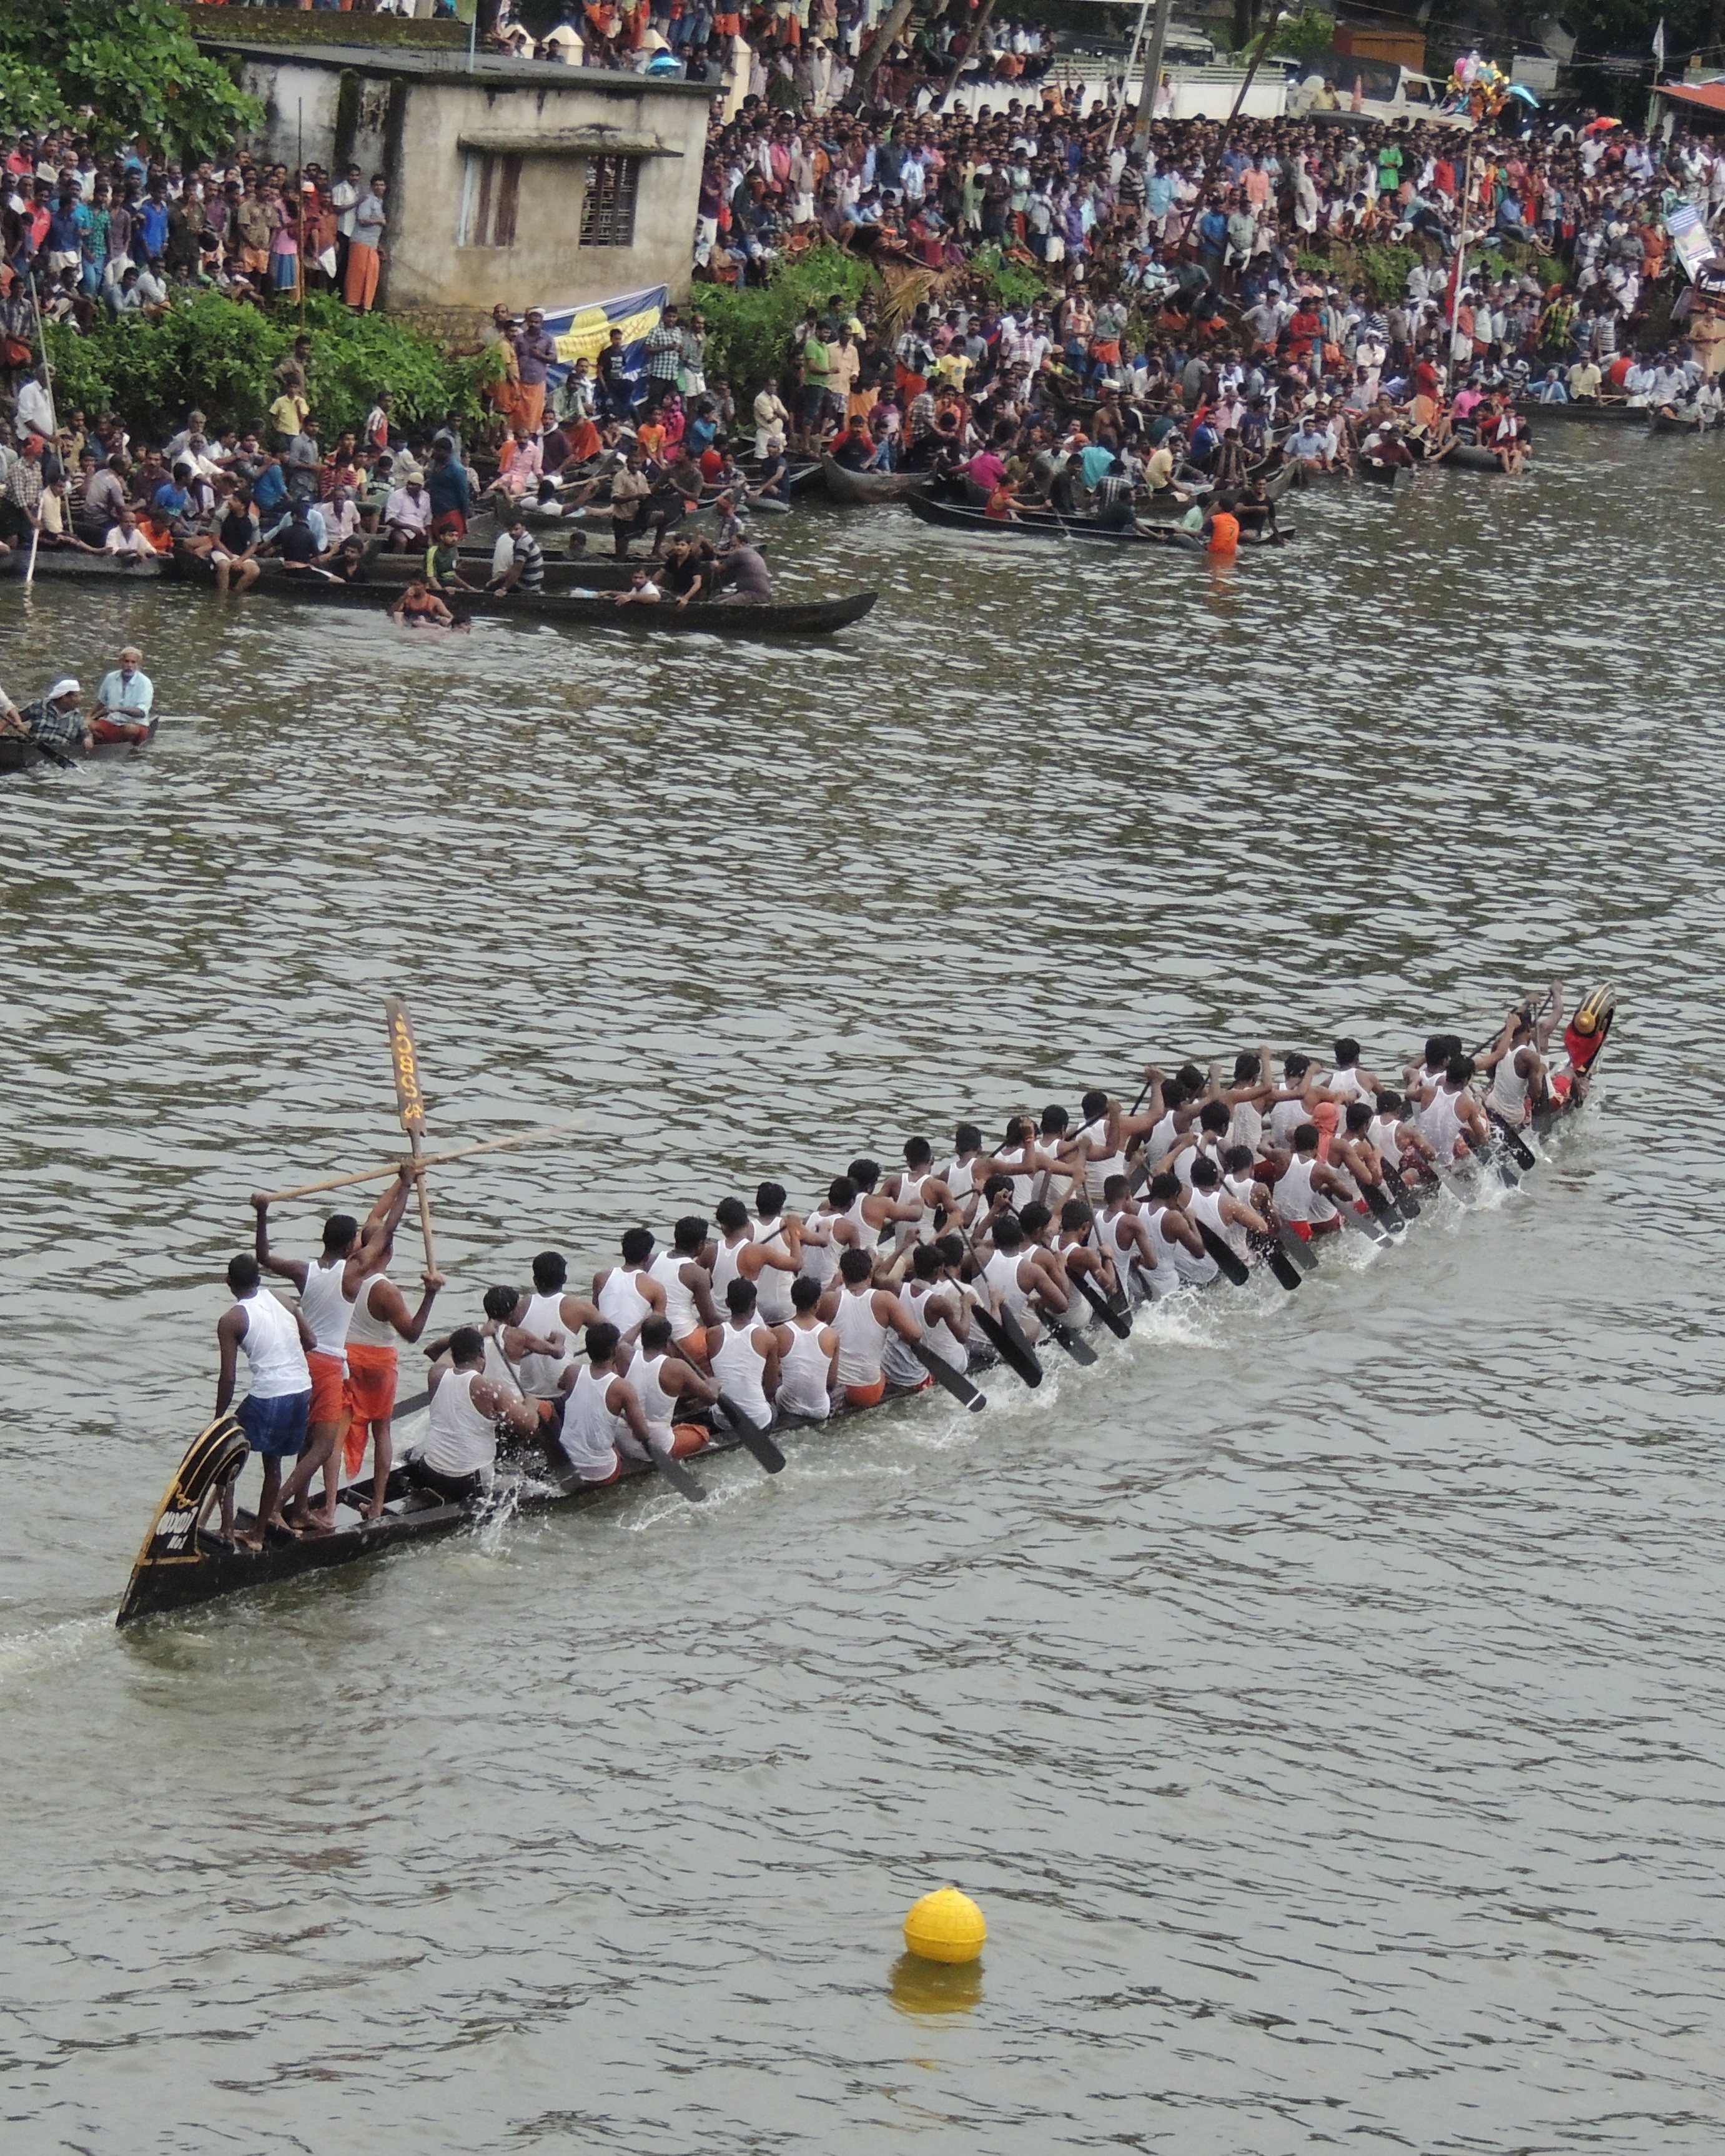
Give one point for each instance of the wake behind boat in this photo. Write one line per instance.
(780, 1323)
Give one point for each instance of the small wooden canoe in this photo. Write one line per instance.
(1609, 412)
(955, 517)
(719, 617)
(54, 563)
(1677, 423)
(1469, 456)
(843, 484)
(18, 754)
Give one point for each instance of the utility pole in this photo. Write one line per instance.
(1152, 74)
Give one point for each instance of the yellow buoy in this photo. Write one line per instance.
(945, 1926)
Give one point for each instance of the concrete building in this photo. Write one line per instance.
(528, 181)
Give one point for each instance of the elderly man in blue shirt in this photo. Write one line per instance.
(124, 699)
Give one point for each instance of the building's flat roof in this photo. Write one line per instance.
(432, 64)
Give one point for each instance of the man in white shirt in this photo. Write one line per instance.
(34, 410)
(128, 541)
(408, 516)
(124, 700)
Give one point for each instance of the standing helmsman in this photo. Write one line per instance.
(328, 1289)
(274, 1414)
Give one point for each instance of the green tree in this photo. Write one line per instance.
(116, 68)
(209, 352)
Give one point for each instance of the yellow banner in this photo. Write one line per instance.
(590, 332)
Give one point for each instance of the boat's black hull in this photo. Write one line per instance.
(716, 617)
(953, 516)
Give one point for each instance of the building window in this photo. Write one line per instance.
(490, 189)
(608, 207)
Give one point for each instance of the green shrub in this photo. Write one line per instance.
(219, 356)
(749, 331)
(1384, 270)
(1007, 284)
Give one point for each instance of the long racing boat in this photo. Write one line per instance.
(183, 1562)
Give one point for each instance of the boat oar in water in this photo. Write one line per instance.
(757, 1439)
(1119, 1322)
(1518, 1145)
(1298, 1248)
(948, 1378)
(1009, 1342)
(1229, 1262)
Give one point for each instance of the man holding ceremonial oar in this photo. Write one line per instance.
(329, 1287)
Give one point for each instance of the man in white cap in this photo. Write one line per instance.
(123, 701)
(55, 722)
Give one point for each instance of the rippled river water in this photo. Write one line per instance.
(1321, 1694)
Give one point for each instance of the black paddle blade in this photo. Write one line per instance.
(1074, 1344)
(1512, 1138)
(1010, 1344)
(753, 1436)
(1298, 1248)
(1399, 1191)
(1229, 1261)
(1361, 1222)
(678, 1477)
(1285, 1270)
(1118, 1321)
(1382, 1209)
(948, 1378)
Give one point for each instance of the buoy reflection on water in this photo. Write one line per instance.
(935, 1987)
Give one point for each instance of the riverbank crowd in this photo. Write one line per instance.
(1056, 315)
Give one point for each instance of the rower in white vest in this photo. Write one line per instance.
(688, 1286)
(1308, 1194)
(604, 1422)
(807, 1356)
(672, 1390)
(556, 1318)
(276, 1413)
(772, 1227)
(329, 1287)
(940, 1304)
(1174, 1238)
(1017, 1282)
(769, 1263)
(456, 1459)
(1222, 1210)
(1348, 1082)
(744, 1356)
(864, 1316)
(628, 1294)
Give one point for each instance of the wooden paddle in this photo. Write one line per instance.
(411, 1103)
(1009, 1342)
(1119, 1322)
(1298, 1248)
(948, 1378)
(1281, 1266)
(1382, 1209)
(1399, 1191)
(1523, 1152)
(426, 1160)
(1229, 1262)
